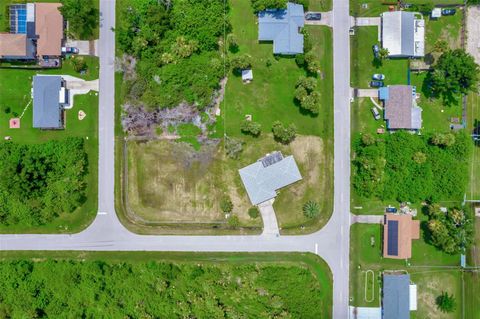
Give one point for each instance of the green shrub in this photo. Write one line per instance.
(233, 221)
(311, 209)
(233, 147)
(226, 204)
(283, 134)
(253, 212)
(250, 127)
(79, 64)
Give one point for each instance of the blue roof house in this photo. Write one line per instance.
(49, 97)
(282, 26)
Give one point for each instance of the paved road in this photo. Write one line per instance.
(106, 232)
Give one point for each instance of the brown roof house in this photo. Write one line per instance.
(36, 32)
(401, 110)
(398, 232)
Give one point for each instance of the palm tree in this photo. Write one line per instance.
(311, 209)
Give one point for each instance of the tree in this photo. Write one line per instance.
(368, 139)
(304, 94)
(283, 134)
(311, 103)
(309, 83)
(232, 43)
(79, 64)
(440, 46)
(241, 62)
(233, 221)
(455, 73)
(443, 139)
(82, 17)
(311, 209)
(446, 303)
(260, 5)
(253, 212)
(233, 147)
(419, 158)
(226, 204)
(250, 127)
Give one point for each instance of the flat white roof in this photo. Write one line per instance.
(413, 297)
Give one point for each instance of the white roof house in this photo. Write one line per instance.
(263, 178)
(403, 34)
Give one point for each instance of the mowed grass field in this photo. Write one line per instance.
(15, 88)
(165, 185)
(429, 269)
(363, 64)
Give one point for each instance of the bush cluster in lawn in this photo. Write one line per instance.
(41, 181)
(98, 289)
(408, 167)
(177, 49)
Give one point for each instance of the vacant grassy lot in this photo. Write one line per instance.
(246, 272)
(166, 185)
(15, 86)
(375, 7)
(363, 64)
(366, 254)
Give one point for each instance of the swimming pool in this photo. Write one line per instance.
(18, 19)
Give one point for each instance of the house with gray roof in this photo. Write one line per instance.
(401, 111)
(398, 296)
(263, 178)
(403, 34)
(283, 27)
(49, 98)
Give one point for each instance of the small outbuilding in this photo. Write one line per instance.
(436, 13)
(247, 76)
(263, 178)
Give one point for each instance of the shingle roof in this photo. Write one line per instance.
(396, 292)
(282, 27)
(49, 28)
(398, 232)
(398, 34)
(261, 182)
(13, 45)
(46, 106)
(400, 110)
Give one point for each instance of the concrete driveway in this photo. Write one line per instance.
(366, 22)
(84, 47)
(270, 224)
(326, 19)
(365, 92)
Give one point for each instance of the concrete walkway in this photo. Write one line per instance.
(270, 224)
(367, 219)
(326, 19)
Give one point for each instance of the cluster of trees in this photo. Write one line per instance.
(41, 181)
(82, 17)
(452, 231)
(412, 168)
(260, 5)
(454, 73)
(306, 96)
(176, 44)
(98, 289)
(284, 134)
(308, 60)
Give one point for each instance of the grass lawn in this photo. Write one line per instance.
(472, 297)
(375, 7)
(422, 266)
(363, 64)
(320, 5)
(15, 86)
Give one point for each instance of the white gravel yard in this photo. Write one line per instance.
(473, 32)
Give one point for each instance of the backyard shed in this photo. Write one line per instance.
(247, 75)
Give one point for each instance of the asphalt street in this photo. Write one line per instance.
(106, 233)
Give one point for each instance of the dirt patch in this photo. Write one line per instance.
(307, 151)
(473, 32)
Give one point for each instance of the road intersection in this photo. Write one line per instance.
(106, 233)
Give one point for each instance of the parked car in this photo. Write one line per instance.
(315, 16)
(69, 50)
(378, 77)
(376, 51)
(376, 84)
(390, 209)
(376, 114)
(448, 12)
